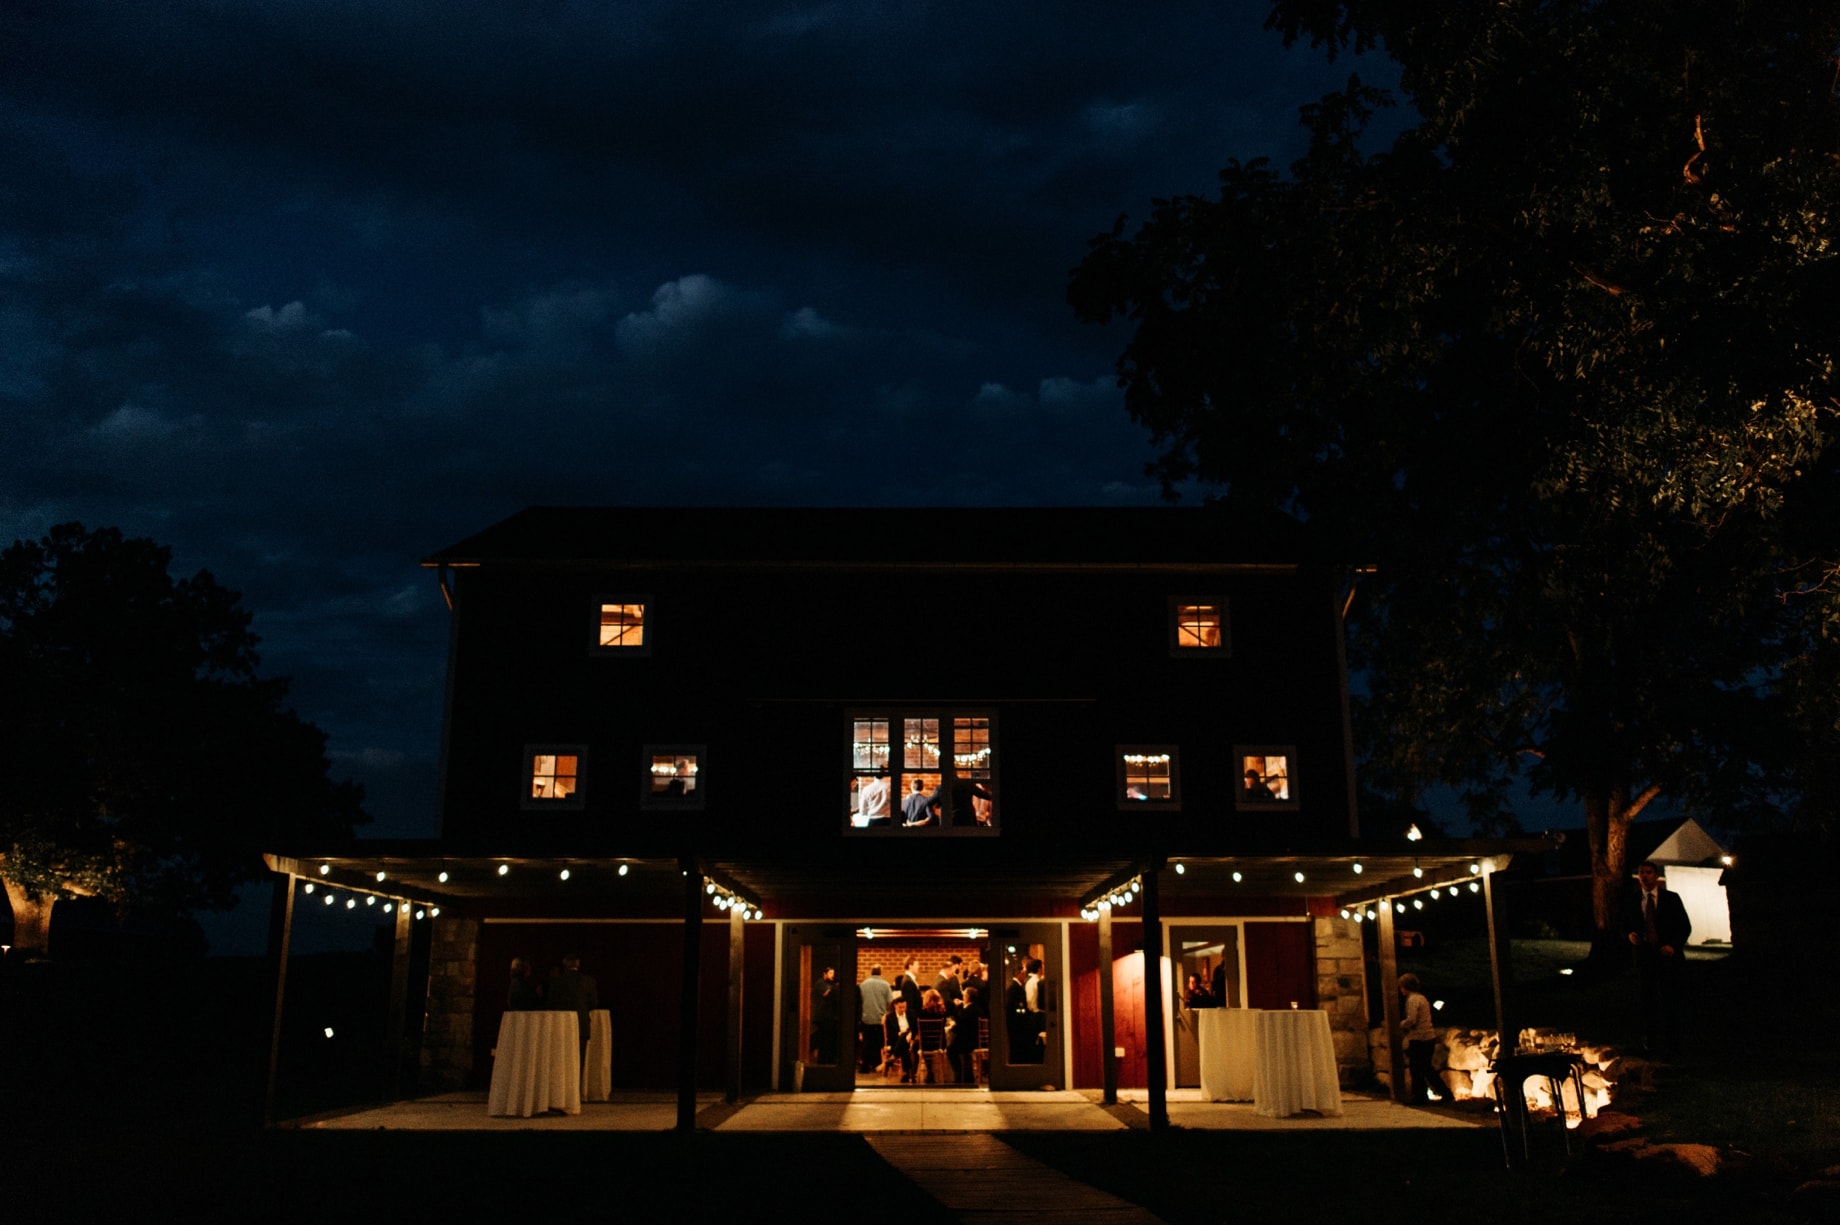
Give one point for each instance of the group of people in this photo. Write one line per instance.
(1654, 922)
(874, 806)
(566, 989)
(901, 1021)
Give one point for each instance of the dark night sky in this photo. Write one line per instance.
(308, 289)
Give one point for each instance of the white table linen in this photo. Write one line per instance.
(597, 1065)
(1294, 1063)
(537, 1065)
(1227, 1042)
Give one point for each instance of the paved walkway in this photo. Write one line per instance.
(889, 1111)
(943, 1166)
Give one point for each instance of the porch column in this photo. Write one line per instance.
(1501, 971)
(1155, 1049)
(395, 1035)
(737, 946)
(1108, 1025)
(687, 998)
(280, 936)
(1389, 1000)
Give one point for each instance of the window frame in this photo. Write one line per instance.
(648, 611)
(576, 800)
(1174, 801)
(1289, 753)
(697, 798)
(1177, 650)
(952, 823)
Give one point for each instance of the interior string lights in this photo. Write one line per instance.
(727, 899)
(1123, 895)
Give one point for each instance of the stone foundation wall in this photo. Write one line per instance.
(447, 1035)
(1341, 991)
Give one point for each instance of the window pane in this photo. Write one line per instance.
(869, 749)
(622, 625)
(673, 775)
(1146, 776)
(552, 776)
(971, 748)
(920, 745)
(871, 800)
(1198, 625)
(922, 799)
(1265, 779)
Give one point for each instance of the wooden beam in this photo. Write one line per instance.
(1389, 998)
(1155, 1048)
(737, 949)
(1500, 962)
(396, 1033)
(1108, 1024)
(687, 997)
(280, 937)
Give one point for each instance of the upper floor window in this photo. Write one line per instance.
(673, 777)
(1147, 776)
(923, 772)
(1265, 776)
(620, 625)
(1198, 625)
(552, 776)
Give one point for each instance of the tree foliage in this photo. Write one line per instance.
(1559, 361)
(146, 760)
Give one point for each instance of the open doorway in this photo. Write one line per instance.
(1204, 967)
(934, 1029)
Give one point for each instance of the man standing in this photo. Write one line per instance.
(1657, 926)
(908, 986)
(1019, 1020)
(825, 1018)
(876, 994)
(573, 991)
(950, 984)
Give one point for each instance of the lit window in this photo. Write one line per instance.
(673, 776)
(1147, 776)
(552, 776)
(905, 776)
(1265, 777)
(1198, 625)
(620, 625)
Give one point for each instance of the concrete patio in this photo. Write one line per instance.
(918, 1110)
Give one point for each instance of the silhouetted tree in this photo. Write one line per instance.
(1560, 361)
(144, 759)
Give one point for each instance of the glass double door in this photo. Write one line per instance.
(1000, 988)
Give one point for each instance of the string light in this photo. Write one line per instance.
(1179, 868)
(563, 875)
(504, 869)
(325, 869)
(1474, 887)
(307, 888)
(442, 877)
(622, 869)
(1297, 876)
(380, 876)
(1357, 867)
(1237, 878)
(1475, 869)
(1123, 895)
(727, 899)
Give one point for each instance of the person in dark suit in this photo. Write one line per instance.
(1024, 1046)
(1656, 924)
(901, 1035)
(573, 991)
(907, 986)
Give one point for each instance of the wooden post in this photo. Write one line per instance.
(737, 948)
(1154, 1047)
(1389, 999)
(1108, 1025)
(395, 1036)
(687, 998)
(280, 936)
(1501, 969)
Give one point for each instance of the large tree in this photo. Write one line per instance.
(145, 760)
(1558, 357)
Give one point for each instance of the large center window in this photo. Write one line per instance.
(922, 772)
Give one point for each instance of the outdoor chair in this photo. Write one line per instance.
(1559, 1069)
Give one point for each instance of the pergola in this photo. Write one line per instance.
(413, 881)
